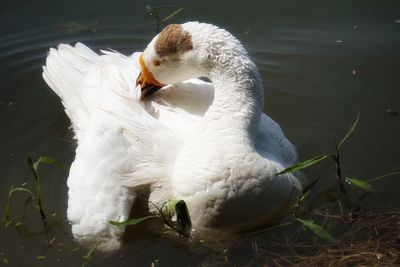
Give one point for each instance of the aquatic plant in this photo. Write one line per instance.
(33, 166)
(362, 238)
(173, 213)
(7, 218)
(155, 13)
(317, 229)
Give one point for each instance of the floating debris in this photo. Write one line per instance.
(392, 111)
(173, 14)
(339, 41)
(155, 263)
(354, 72)
(79, 26)
(52, 240)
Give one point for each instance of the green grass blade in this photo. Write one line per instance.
(49, 161)
(310, 185)
(33, 166)
(6, 213)
(305, 192)
(348, 134)
(132, 221)
(89, 255)
(302, 165)
(173, 14)
(301, 199)
(317, 230)
(382, 176)
(360, 183)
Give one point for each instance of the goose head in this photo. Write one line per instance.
(176, 54)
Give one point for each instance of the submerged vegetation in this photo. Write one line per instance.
(336, 232)
(362, 237)
(371, 239)
(158, 17)
(33, 166)
(173, 213)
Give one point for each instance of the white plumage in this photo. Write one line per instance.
(209, 144)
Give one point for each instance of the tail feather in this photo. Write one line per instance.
(65, 71)
(120, 145)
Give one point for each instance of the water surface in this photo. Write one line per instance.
(322, 62)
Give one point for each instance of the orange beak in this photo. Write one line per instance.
(148, 83)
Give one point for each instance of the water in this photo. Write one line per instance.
(323, 62)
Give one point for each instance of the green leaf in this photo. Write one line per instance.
(49, 161)
(302, 165)
(176, 208)
(310, 185)
(348, 134)
(169, 208)
(305, 192)
(132, 221)
(360, 183)
(173, 14)
(301, 198)
(318, 230)
(183, 218)
(33, 166)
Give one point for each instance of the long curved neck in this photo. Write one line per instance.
(239, 95)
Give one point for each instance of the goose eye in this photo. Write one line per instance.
(156, 62)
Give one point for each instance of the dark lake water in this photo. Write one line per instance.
(322, 62)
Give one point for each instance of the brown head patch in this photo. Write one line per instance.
(172, 39)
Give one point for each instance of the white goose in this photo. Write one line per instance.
(206, 143)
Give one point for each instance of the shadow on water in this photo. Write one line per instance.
(321, 63)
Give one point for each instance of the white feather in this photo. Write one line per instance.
(119, 142)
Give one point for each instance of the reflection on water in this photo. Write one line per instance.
(322, 63)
